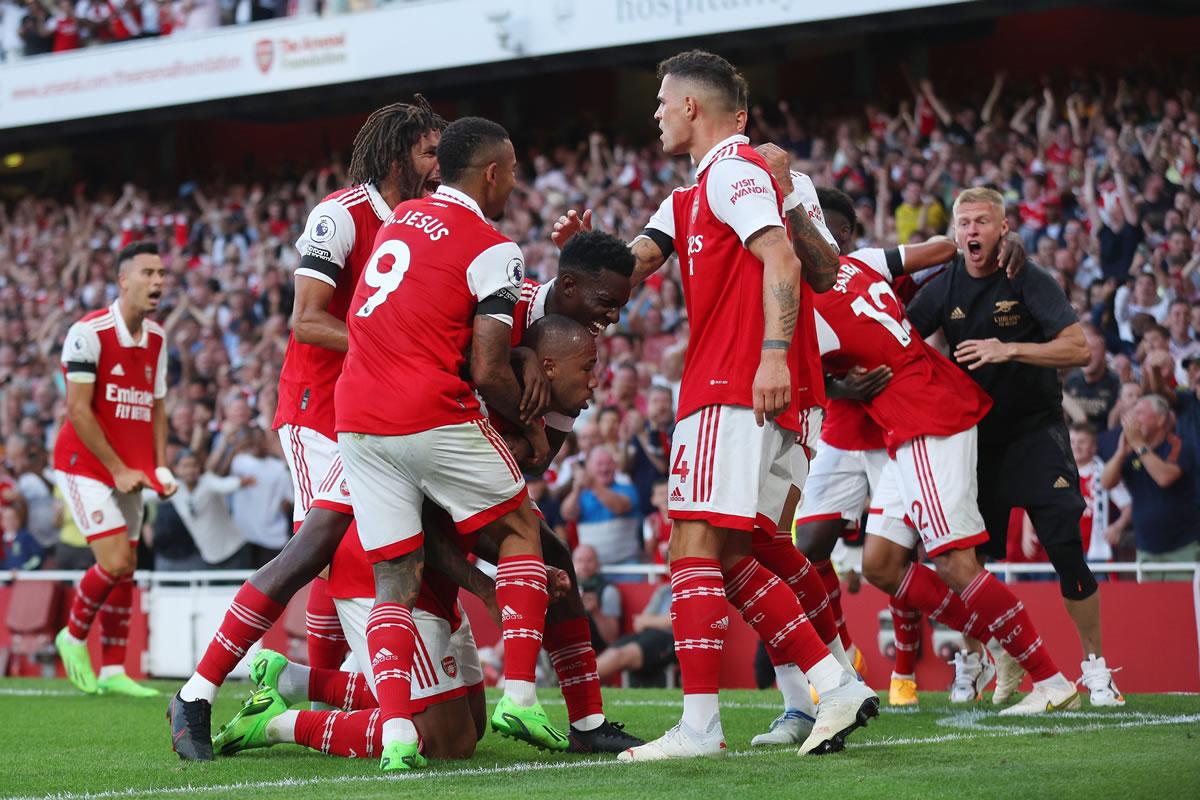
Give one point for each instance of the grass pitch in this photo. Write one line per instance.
(59, 743)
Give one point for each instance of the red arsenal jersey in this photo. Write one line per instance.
(862, 323)
(128, 376)
(336, 243)
(413, 313)
(709, 223)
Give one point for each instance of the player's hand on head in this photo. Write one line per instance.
(1011, 255)
(780, 164)
(540, 446)
(568, 225)
(864, 384)
(772, 386)
(975, 353)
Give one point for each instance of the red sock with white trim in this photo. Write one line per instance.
(924, 591)
(250, 615)
(90, 594)
(391, 641)
(326, 641)
(699, 619)
(774, 612)
(351, 734)
(345, 690)
(906, 624)
(569, 645)
(114, 615)
(522, 597)
(1009, 622)
(833, 589)
(779, 554)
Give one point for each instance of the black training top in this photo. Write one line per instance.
(1029, 308)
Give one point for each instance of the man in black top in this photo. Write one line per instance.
(1012, 336)
(1093, 389)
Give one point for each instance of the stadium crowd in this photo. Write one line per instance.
(1100, 180)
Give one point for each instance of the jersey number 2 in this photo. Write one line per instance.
(900, 329)
(384, 283)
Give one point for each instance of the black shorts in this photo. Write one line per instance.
(1034, 471)
(658, 648)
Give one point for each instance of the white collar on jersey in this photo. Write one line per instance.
(382, 210)
(537, 304)
(452, 195)
(123, 334)
(711, 155)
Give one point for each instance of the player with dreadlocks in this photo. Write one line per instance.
(394, 160)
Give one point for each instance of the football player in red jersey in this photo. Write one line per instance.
(394, 159)
(927, 414)
(112, 445)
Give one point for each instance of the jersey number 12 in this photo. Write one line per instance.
(901, 329)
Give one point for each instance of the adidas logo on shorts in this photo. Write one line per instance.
(676, 496)
(957, 313)
(1061, 483)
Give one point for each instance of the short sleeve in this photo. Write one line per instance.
(663, 218)
(742, 195)
(326, 243)
(81, 353)
(1046, 300)
(559, 422)
(497, 271)
(804, 190)
(878, 259)
(160, 373)
(925, 311)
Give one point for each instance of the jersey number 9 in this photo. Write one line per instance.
(395, 256)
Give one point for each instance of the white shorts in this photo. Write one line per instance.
(727, 471)
(840, 483)
(809, 440)
(333, 492)
(466, 469)
(930, 489)
(309, 457)
(445, 663)
(100, 510)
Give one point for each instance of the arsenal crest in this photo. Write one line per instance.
(264, 55)
(97, 517)
(450, 666)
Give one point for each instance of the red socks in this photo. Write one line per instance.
(326, 642)
(114, 622)
(247, 619)
(91, 593)
(778, 553)
(699, 619)
(1009, 623)
(923, 590)
(522, 597)
(833, 588)
(569, 645)
(345, 690)
(774, 612)
(354, 734)
(906, 622)
(391, 640)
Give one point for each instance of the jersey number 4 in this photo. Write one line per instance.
(877, 310)
(384, 273)
(680, 467)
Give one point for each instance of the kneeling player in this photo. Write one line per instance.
(928, 487)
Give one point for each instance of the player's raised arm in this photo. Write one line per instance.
(651, 248)
(811, 240)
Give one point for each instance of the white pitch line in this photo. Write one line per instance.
(1147, 721)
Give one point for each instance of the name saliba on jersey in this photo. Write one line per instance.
(129, 403)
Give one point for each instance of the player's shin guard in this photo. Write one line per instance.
(114, 623)
(906, 623)
(353, 734)
(1009, 623)
(833, 588)
(522, 597)
(924, 591)
(326, 641)
(774, 612)
(391, 641)
(569, 645)
(248, 618)
(91, 593)
(345, 690)
(778, 553)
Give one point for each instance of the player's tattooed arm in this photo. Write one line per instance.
(398, 580)
(818, 258)
(781, 308)
(648, 258)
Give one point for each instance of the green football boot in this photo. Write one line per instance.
(248, 728)
(123, 684)
(265, 669)
(401, 755)
(529, 724)
(77, 662)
